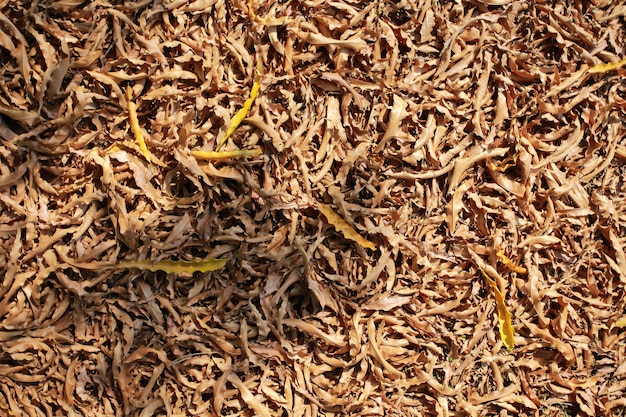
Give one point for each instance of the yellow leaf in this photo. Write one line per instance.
(510, 264)
(509, 162)
(241, 113)
(344, 228)
(174, 267)
(219, 155)
(8, 411)
(504, 316)
(501, 167)
(621, 323)
(607, 67)
(134, 124)
(112, 148)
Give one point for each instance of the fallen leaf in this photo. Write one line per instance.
(134, 124)
(504, 315)
(510, 264)
(219, 155)
(609, 66)
(344, 228)
(173, 267)
(241, 113)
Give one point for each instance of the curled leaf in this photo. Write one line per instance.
(241, 113)
(219, 155)
(600, 68)
(354, 42)
(134, 124)
(267, 21)
(504, 316)
(344, 228)
(510, 264)
(174, 267)
(7, 410)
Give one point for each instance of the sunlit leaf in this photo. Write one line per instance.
(267, 21)
(241, 113)
(174, 267)
(344, 228)
(607, 67)
(510, 264)
(6, 410)
(134, 124)
(504, 316)
(501, 167)
(219, 155)
(621, 323)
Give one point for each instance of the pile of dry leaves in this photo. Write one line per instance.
(419, 208)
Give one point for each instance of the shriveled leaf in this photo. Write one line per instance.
(175, 75)
(267, 21)
(134, 124)
(66, 4)
(56, 78)
(248, 397)
(509, 263)
(609, 66)
(322, 293)
(163, 92)
(501, 167)
(446, 127)
(507, 333)
(474, 155)
(397, 114)
(313, 330)
(241, 113)
(219, 155)
(354, 42)
(7, 410)
(455, 205)
(174, 267)
(344, 228)
(107, 79)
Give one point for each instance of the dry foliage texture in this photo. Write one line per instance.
(435, 133)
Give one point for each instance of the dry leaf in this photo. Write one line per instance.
(219, 155)
(344, 228)
(600, 68)
(134, 124)
(173, 267)
(241, 113)
(509, 263)
(446, 126)
(507, 333)
(354, 42)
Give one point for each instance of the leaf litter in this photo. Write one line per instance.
(480, 144)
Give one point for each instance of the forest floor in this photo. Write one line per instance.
(419, 208)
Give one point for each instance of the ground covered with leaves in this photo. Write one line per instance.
(419, 208)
